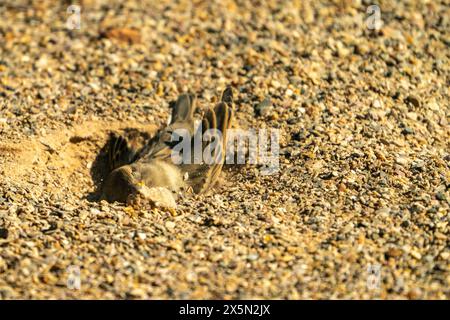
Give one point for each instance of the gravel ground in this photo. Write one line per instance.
(364, 167)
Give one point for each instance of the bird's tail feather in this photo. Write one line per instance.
(183, 109)
(219, 119)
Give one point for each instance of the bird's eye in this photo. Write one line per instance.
(136, 174)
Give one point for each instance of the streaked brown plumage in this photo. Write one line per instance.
(152, 166)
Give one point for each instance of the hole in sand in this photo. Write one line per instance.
(67, 162)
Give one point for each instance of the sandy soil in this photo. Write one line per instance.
(359, 208)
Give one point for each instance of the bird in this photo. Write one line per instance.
(154, 166)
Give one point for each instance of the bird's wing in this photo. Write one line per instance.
(183, 109)
(160, 146)
(122, 150)
(203, 176)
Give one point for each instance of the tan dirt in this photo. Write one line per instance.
(361, 204)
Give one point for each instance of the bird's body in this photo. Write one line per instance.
(154, 165)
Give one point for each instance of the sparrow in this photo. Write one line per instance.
(153, 166)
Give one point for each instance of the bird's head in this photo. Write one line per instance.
(120, 184)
